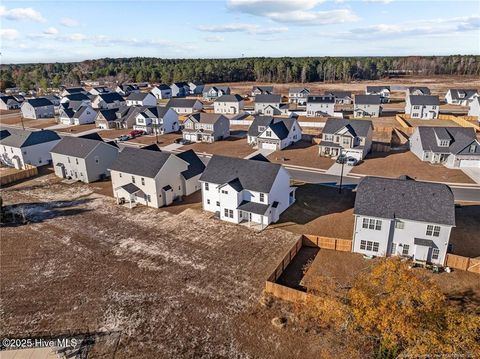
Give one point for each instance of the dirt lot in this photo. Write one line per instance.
(302, 153)
(232, 146)
(465, 238)
(77, 129)
(154, 283)
(112, 134)
(395, 164)
(163, 140)
(442, 123)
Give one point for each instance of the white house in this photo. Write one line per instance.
(85, 159)
(108, 100)
(206, 127)
(298, 95)
(228, 104)
(196, 87)
(403, 217)
(36, 108)
(264, 101)
(180, 89)
(352, 138)
(474, 108)
(320, 106)
(262, 90)
(460, 96)
(212, 92)
(267, 132)
(367, 106)
(141, 99)
(341, 97)
(253, 191)
(154, 178)
(72, 90)
(127, 89)
(382, 91)
(19, 147)
(78, 98)
(157, 119)
(184, 106)
(161, 92)
(9, 103)
(455, 147)
(423, 107)
(99, 90)
(417, 91)
(80, 116)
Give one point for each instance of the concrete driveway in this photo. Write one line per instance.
(336, 169)
(262, 152)
(473, 173)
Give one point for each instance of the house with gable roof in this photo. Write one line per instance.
(273, 133)
(460, 96)
(206, 127)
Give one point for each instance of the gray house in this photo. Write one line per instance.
(9, 103)
(86, 159)
(341, 97)
(180, 89)
(206, 127)
(229, 104)
(320, 106)
(424, 107)
(352, 138)
(262, 90)
(403, 217)
(382, 91)
(456, 147)
(184, 106)
(267, 132)
(36, 108)
(196, 87)
(212, 92)
(263, 101)
(367, 106)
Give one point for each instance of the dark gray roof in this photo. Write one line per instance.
(263, 89)
(78, 97)
(24, 138)
(229, 98)
(181, 102)
(109, 114)
(404, 198)
(424, 100)
(424, 242)
(459, 94)
(111, 97)
(76, 146)
(195, 164)
(6, 99)
(279, 129)
(358, 128)
(253, 207)
(206, 117)
(377, 89)
(268, 98)
(137, 161)
(75, 89)
(155, 111)
(460, 139)
(368, 100)
(253, 175)
(131, 188)
(339, 94)
(285, 124)
(138, 96)
(180, 84)
(163, 87)
(320, 99)
(422, 89)
(39, 102)
(298, 89)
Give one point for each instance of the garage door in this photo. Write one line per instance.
(269, 146)
(354, 154)
(470, 163)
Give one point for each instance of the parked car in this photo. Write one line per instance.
(341, 159)
(352, 161)
(182, 141)
(123, 138)
(136, 133)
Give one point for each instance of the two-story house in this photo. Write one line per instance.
(382, 91)
(320, 106)
(474, 108)
(9, 103)
(423, 107)
(352, 138)
(261, 90)
(266, 102)
(36, 108)
(298, 95)
(154, 178)
(72, 90)
(228, 104)
(206, 127)
(455, 147)
(141, 99)
(196, 87)
(253, 191)
(268, 132)
(211, 93)
(460, 96)
(180, 89)
(162, 92)
(77, 116)
(367, 106)
(417, 91)
(127, 89)
(77, 99)
(403, 217)
(341, 97)
(184, 106)
(85, 159)
(108, 100)
(157, 120)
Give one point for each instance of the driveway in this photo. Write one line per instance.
(171, 147)
(473, 173)
(336, 169)
(262, 152)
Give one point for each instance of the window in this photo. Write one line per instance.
(208, 201)
(262, 197)
(68, 158)
(149, 198)
(405, 249)
(369, 246)
(399, 224)
(231, 213)
(218, 204)
(143, 181)
(206, 186)
(133, 179)
(76, 161)
(365, 223)
(472, 148)
(433, 230)
(416, 107)
(370, 223)
(393, 250)
(96, 159)
(346, 140)
(224, 191)
(444, 143)
(375, 246)
(378, 225)
(228, 213)
(435, 253)
(363, 244)
(268, 133)
(120, 175)
(225, 212)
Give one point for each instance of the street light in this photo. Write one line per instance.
(343, 159)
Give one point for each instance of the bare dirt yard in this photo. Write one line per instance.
(465, 236)
(302, 153)
(232, 146)
(149, 282)
(163, 140)
(395, 164)
(78, 128)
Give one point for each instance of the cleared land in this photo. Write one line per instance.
(232, 146)
(302, 153)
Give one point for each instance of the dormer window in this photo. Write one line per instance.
(261, 128)
(472, 148)
(444, 143)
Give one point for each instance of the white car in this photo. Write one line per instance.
(351, 161)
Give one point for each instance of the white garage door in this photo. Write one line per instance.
(469, 163)
(269, 146)
(354, 154)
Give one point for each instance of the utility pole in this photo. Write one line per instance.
(341, 175)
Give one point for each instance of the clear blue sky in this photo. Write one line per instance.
(47, 31)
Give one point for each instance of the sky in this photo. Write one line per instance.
(70, 30)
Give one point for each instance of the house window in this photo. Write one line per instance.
(68, 159)
(346, 140)
(230, 213)
(433, 230)
(262, 197)
(120, 175)
(435, 253)
(369, 246)
(369, 223)
(143, 181)
(363, 244)
(206, 186)
(149, 199)
(268, 133)
(225, 212)
(399, 224)
(76, 161)
(444, 143)
(472, 148)
(405, 250)
(393, 250)
(224, 192)
(96, 159)
(133, 179)
(365, 223)
(218, 204)
(208, 201)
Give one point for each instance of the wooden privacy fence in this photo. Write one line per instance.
(285, 293)
(285, 261)
(461, 120)
(463, 263)
(337, 244)
(29, 171)
(401, 120)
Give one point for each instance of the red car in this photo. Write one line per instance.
(136, 133)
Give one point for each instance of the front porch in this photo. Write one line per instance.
(129, 194)
(330, 150)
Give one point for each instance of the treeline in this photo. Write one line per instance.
(276, 70)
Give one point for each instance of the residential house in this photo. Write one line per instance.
(184, 106)
(108, 100)
(474, 108)
(141, 99)
(72, 90)
(206, 127)
(367, 106)
(180, 89)
(161, 92)
(79, 98)
(320, 106)
(268, 103)
(382, 91)
(20, 147)
(196, 87)
(53, 99)
(127, 89)
(262, 90)
(211, 93)
(424, 107)
(229, 104)
(456, 147)
(298, 95)
(99, 90)
(80, 116)
(123, 117)
(460, 96)
(253, 191)
(352, 138)
(270, 133)
(417, 91)
(403, 217)
(341, 97)
(9, 103)
(154, 178)
(36, 108)
(157, 120)
(85, 159)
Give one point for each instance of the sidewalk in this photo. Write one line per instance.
(336, 169)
